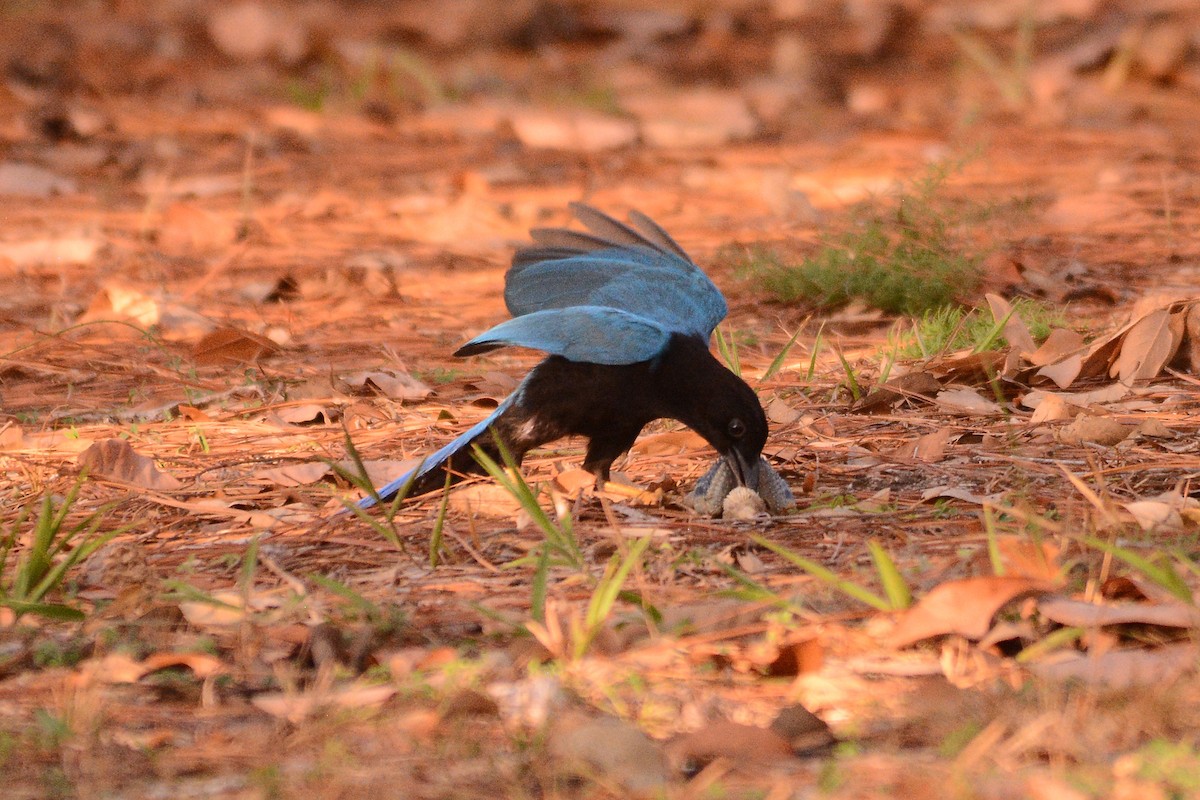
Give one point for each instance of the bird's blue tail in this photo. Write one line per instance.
(428, 475)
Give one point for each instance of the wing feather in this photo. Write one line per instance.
(644, 272)
(656, 234)
(596, 334)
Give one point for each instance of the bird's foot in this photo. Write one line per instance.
(718, 494)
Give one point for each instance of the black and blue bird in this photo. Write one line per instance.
(625, 317)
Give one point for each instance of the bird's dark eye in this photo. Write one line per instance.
(737, 428)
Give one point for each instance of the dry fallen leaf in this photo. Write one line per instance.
(1076, 211)
(118, 301)
(1015, 330)
(251, 30)
(187, 229)
(611, 747)
(959, 493)
(29, 180)
(1159, 514)
(931, 447)
(1066, 611)
(781, 413)
(115, 459)
(232, 346)
(1191, 337)
(1154, 429)
(389, 383)
(381, 472)
(691, 117)
(1148, 346)
(912, 384)
(573, 481)
(295, 474)
(12, 437)
(803, 730)
(1026, 558)
(64, 250)
(302, 414)
(1106, 394)
(296, 707)
(226, 607)
(744, 745)
(1063, 373)
(1060, 344)
(1095, 429)
(176, 322)
(577, 130)
(1118, 669)
(1053, 407)
(964, 400)
(965, 607)
(488, 499)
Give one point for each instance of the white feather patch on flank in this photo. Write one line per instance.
(527, 430)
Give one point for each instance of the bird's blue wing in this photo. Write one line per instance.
(642, 282)
(596, 334)
(642, 271)
(438, 459)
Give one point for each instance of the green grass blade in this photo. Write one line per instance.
(993, 334)
(607, 590)
(385, 531)
(851, 378)
(368, 609)
(47, 610)
(894, 585)
(1049, 643)
(58, 572)
(33, 565)
(538, 586)
(1162, 575)
(560, 537)
(360, 478)
(989, 527)
(728, 350)
(816, 350)
(435, 539)
(249, 567)
(610, 586)
(751, 590)
(6, 545)
(826, 576)
(777, 362)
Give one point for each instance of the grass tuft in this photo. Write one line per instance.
(908, 253)
(53, 547)
(952, 328)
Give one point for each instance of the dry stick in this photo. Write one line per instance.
(475, 554)
(297, 585)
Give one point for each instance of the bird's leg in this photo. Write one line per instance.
(600, 469)
(602, 452)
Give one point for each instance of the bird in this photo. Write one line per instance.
(625, 317)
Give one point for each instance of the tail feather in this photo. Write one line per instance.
(455, 457)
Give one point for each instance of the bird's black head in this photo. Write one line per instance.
(723, 409)
(733, 422)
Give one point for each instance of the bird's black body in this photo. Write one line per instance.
(639, 355)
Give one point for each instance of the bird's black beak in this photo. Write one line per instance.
(744, 472)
